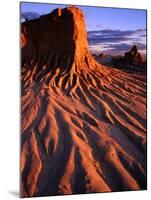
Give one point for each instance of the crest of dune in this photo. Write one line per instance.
(83, 124)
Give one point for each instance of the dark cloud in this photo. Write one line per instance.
(141, 30)
(111, 33)
(118, 40)
(108, 35)
(121, 47)
(143, 35)
(29, 15)
(103, 39)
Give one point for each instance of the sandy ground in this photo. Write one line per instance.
(84, 134)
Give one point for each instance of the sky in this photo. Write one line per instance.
(110, 30)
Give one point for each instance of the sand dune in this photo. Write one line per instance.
(83, 124)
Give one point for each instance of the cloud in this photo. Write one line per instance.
(108, 35)
(116, 41)
(109, 32)
(120, 47)
(98, 25)
(29, 16)
(143, 35)
(106, 40)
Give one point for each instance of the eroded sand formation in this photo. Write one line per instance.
(83, 124)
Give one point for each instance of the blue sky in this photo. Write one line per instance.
(111, 30)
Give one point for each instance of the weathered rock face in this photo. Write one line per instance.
(60, 34)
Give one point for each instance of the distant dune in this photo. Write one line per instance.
(83, 124)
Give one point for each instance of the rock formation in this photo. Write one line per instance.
(58, 34)
(132, 60)
(83, 125)
(133, 57)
